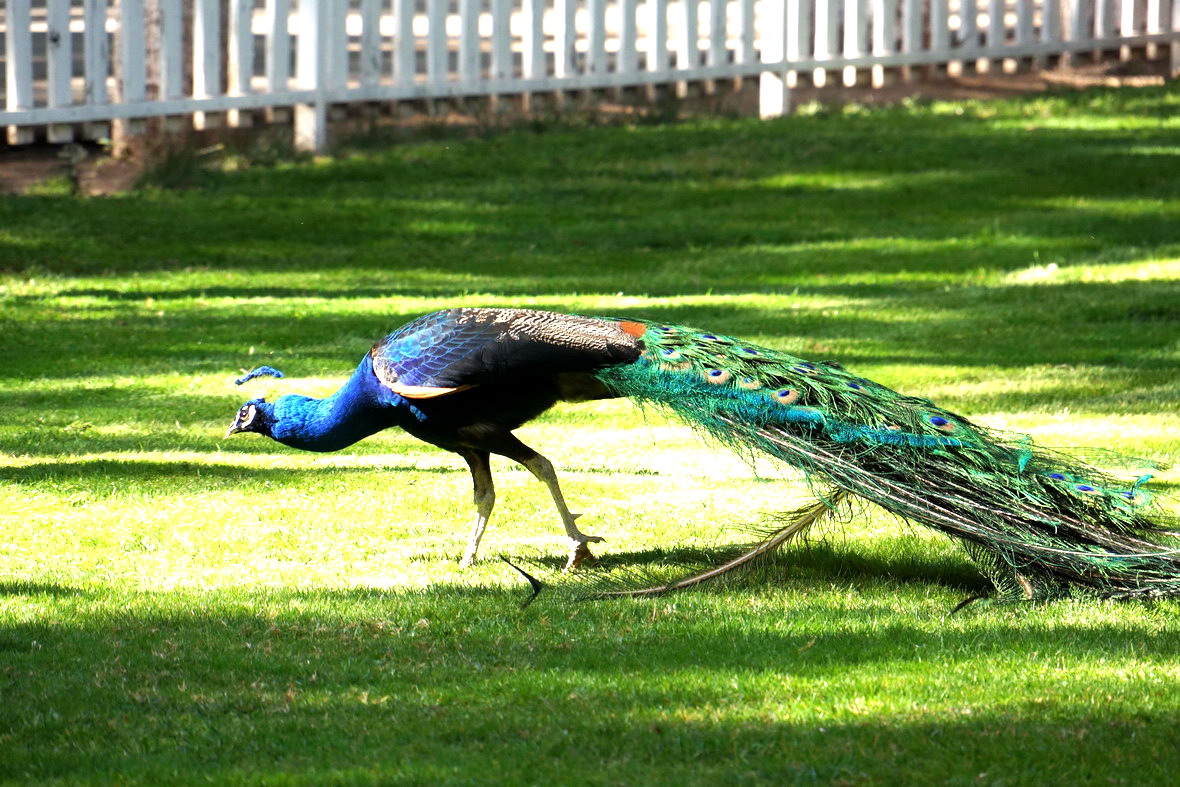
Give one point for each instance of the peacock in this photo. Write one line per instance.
(1038, 523)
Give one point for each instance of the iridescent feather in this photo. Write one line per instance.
(1038, 522)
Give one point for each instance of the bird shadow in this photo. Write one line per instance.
(25, 588)
(813, 562)
(197, 472)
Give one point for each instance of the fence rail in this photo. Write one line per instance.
(70, 63)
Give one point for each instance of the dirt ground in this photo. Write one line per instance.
(92, 170)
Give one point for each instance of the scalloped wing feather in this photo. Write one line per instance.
(453, 350)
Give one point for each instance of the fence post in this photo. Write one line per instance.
(532, 63)
(96, 55)
(1024, 31)
(131, 46)
(241, 56)
(1051, 21)
(996, 32)
(718, 32)
(501, 40)
(564, 35)
(716, 54)
(748, 23)
(470, 67)
(95, 52)
(774, 97)
(278, 53)
(59, 54)
(1074, 27)
(1051, 25)
(798, 46)
(596, 54)
(436, 42)
(883, 14)
(171, 38)
(564, 41)
(939, 36)
(18, 41)
(1102, 21)
(968, 26)
(855, 27)
(130, 72)
(1126, 26)
(335, 42)
(826, 23)
(911, 33)
(687, 51)
(628, 37)
(1152, 22)
(311, 118)
(206, 58)
(370, 42)
(1078, 29)
(501, 53)
(657, 37)
(1174, 69)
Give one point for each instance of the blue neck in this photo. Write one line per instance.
(360, 408)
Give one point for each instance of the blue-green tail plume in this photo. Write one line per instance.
(1039, 523)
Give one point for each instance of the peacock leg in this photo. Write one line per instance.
(485, 498)
(580, 553)
(507, 444)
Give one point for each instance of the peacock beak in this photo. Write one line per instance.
(242, 421)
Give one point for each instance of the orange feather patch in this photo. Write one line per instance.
(636, 329)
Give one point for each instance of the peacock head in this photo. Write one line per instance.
(256, 415)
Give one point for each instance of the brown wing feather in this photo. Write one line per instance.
(451, 351)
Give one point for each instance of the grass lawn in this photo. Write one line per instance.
(175, 608)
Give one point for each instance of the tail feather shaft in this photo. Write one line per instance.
(798, 523)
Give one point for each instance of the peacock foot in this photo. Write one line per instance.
(580, 553)
(470, 554)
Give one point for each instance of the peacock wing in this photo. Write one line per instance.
(456, 349)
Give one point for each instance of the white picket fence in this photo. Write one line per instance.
(81, 64)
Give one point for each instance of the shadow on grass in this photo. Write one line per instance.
(455, 684)
(815, 562)
(679, 210)
(813, 558)
(29, 589)
(1125, 324)
(194, 472)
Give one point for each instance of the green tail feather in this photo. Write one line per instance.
(1038, 522)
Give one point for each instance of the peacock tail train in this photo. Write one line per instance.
(1038, 523)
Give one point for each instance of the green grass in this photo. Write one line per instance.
(179, 609)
